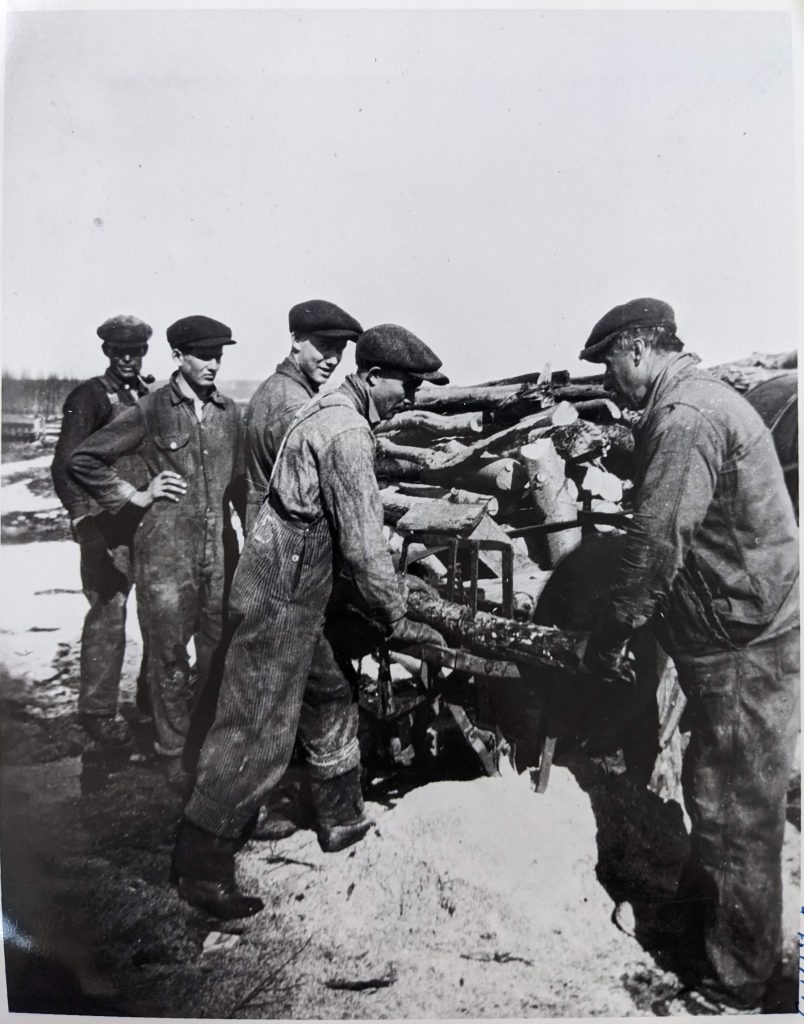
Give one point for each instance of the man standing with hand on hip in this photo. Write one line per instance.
(107, 571)
(323, 513)
(190, 439)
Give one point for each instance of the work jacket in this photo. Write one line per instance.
(325, 471)
(164, 431)
(88, 407)
(712, 550)
(266, 420)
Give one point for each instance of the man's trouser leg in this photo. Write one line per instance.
(210, 640)
(278, 596)
(743, 715)
(168, 590)
(106, 579)
(329, 714)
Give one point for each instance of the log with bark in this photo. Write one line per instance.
(432, 462)
(557, 377)
(581, 441)
(429, 515)
(517, 435)
(511, 410)
(390, 469)
(462, 497)
(396, 502)
(493, 636)
(599, 410)
(498, 477)
(777, 361)
(422, 427)
(741, 378)
(554, 497)
(453, 399)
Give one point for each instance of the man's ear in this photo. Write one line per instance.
(371, 376)
(294, 343)
(638, 351)
(177, 355)
(106, 349)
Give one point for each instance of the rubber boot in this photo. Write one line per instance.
(338, 805)
(203, 868)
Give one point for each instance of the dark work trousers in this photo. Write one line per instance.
(281, 677)
(183, 560)
(743, 714)
(107, 576)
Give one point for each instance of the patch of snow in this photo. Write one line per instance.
(17, 498)
(40, 462)
(42, 607)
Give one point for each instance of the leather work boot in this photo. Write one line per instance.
(203, 869)
(706, 998)
(338, 805)
(272, 824)
(108, 730)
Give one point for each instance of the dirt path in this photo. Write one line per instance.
(471, 898)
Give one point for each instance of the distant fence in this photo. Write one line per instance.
(18, 427)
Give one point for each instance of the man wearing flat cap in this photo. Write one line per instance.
(711, 561)
(319, 333)
(189, 437)
(105, 540)
(323, 514)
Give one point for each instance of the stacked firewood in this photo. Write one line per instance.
(536, 460)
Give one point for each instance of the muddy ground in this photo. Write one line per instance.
(473, 896)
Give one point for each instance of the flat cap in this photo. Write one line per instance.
(317, 316)
(395, 348)
(192, 332)
(636, 313)
(124, 330)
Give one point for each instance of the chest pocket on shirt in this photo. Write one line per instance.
(170, 442)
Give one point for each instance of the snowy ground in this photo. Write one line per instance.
(470, 898)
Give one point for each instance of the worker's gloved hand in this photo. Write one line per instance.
(607, 654)
(408, 632)
(611, 665)
(408, 583)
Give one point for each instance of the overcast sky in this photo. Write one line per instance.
(494, 181)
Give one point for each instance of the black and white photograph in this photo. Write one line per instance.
(400, 552)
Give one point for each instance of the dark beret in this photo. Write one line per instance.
(636, 313)
(394, 348)
(317, 316)
(192, 332)
(124, 330)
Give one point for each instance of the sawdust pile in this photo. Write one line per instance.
(470, 898)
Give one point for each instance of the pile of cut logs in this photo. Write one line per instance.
(535, 460)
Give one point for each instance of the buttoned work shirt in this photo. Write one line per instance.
(166, 433)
